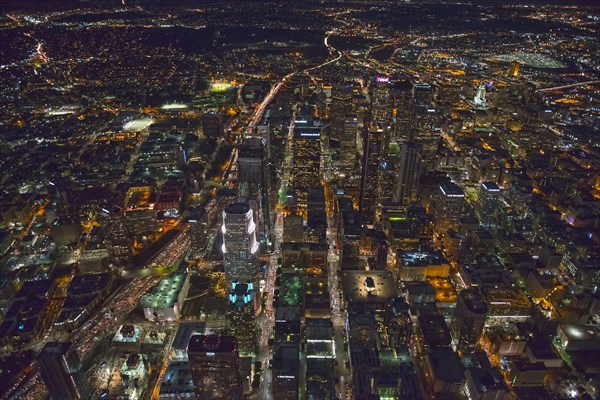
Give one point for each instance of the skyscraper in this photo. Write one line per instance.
(215, 365)
(409, 172)
(469, 319)
(372, 147)
(381, 110)
(348, 144)
(448, 207)
(240, 248)
(242, 323)
(61, 371)
(307, 156)
(423, 123)
(341, 106)
(489, 199)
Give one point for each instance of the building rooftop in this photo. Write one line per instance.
(212, 344)
(164, 295)
(420, 258)
(368, 286)
(237, 208)
(445, 365)
(474, 301)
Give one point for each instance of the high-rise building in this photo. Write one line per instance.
(341, 106)
(307, 157)
(242, 323)
(253, 171)
(489, 199)
(119, 243)
(479, 99)
(469, 319)
(409, 172)
(423, 128)
(348, 144)
(212, 124)
(514, 68)
(61, 371)
(448, 207)
(372, 152)
(215, 365)
(240, 248)
(381, 110)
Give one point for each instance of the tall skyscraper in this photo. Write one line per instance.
(252, 170)
(423, 123)
(381, 110)
(489, 199)
(479, 99)
(240, 248)
(372, 148)
(469, 319)
(215, 365)
(242, 323)
(409, 172)
(61, 371)
(348, 144)
(307, 156)
(341, 106)
(448, 207)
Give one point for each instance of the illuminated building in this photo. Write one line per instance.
(447, 372)
(286, 372)
(448, 207)
(469, 319)
(514, 68)
(372, 153)
(215, 365)
(61, 371)
(119, 243)
(306, 149)
(164, 302)
(485, 384)
(348, 144)
(341, 106)
(489, 200)
(479, 99)
(381, 112)
(422, 121)
(134, 375)
(418, 266)
(368, 290)
(409, 172)
(212, 124)
(241, 316)
(240, 248)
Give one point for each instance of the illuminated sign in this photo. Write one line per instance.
(382, 79)
(310, 134)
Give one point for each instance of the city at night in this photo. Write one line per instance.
(299, 200)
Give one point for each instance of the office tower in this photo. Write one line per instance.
(240, 248)
(469, 319)
(307, 157)
(422, 96)
(251, 161)
(61, 371)
(514, 68)
(489, 199)
(212, 124)
(381, 111)
(348, 144)
(119, 243)
(215, 365)
(341, 106)
(479, 99)
(402, 105)
(409, 172)
(286, 372)
(252, 170)
(448, 207)
(372, 147)
(423, 129)
(242, 323)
